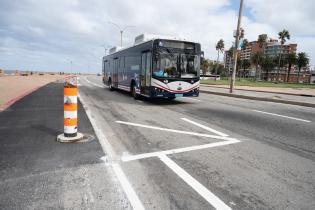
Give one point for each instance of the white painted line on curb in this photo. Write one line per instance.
(175, 131)
(278, 115)
(197, 186)
(205, 127)
(178, 150)
(107, 148)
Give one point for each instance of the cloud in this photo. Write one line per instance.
(47, 35)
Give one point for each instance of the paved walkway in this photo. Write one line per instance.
(12, 88)
(291, 91)
(279, 96)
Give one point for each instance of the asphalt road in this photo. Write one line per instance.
(37, 172)
(237, 153)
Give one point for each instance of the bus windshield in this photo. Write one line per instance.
(176, 65)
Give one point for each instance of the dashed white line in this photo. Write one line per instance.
(192, 182)
(278, 115)
(205, 127)
(178, 150)
(175, 131)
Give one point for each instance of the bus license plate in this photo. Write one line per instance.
(178, 95)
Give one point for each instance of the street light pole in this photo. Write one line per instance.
(121, 35)
(121, 30)
(106, 47)
(237, 39)
(70, 67)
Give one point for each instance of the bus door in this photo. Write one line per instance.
(145, 77)
(115, 72)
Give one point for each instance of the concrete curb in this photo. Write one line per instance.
(260, 98)
(261, 91)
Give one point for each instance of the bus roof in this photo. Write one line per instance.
(144, 38)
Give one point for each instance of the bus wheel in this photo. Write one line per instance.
(171, 98)
(134, 92)
(110, 85)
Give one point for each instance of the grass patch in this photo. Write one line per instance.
(250, 82)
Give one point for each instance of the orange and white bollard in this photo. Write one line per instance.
(70, 120)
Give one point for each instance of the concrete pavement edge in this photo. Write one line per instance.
(299, 103)
(261, 91)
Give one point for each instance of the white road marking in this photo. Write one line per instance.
(132, 196)
(175, 131)
(127, 158)
(278, 115)
(205, 127)
(107, 148)
(93, 83)
(197, 186)
(189, 98)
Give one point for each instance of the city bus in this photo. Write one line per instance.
(155, 68)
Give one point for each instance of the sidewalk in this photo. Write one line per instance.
(261, 96)
(288, 91)
(12, 88)
(37, 172)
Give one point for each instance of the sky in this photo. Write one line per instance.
(47, 35)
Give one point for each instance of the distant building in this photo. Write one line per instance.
(253, 47)
(312, 80)
(274, 49)
(229, 60)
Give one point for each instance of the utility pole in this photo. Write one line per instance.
(70, 67)
(237, 39)
(121, 30)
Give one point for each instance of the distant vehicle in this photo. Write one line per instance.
(98, 74)
(154, 67)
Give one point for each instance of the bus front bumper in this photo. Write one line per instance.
(159, 93)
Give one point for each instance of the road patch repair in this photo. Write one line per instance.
(162, 155)
(37, 172)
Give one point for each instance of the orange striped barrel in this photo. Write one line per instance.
(70, 120)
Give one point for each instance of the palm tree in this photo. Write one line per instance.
(291, 59)
(256, 59)
(262, 39)
(267, 64)
(229, 54)
(245, 44)
(220, 48)
(283, 36)
(302, 61)
(205, 66)
(246, 65)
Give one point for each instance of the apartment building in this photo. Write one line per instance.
(252, 48)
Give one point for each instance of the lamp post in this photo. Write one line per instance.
(237, 39)
(70, 67)
(106, 47)
(121, 30)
